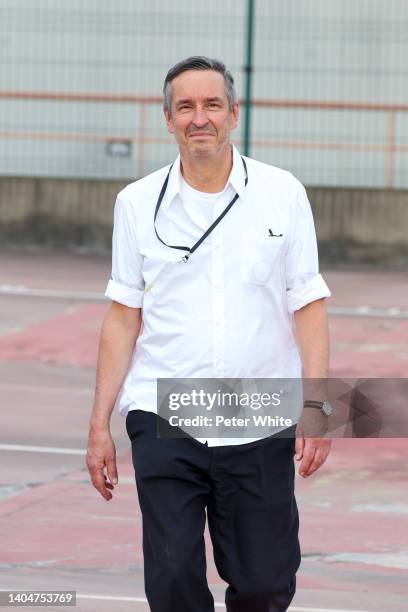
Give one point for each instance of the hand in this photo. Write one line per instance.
(312, 451)
(101, 452)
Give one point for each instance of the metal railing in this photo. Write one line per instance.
(141, 136)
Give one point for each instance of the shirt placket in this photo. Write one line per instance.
(218, 299)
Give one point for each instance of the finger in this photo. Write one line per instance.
(300, 442)
(98, 482)
(322, 452)
(109, 485)
(308, 456)
(112, 470)
(299, 447)
(319, 458)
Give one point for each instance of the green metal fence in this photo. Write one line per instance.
(81, 83)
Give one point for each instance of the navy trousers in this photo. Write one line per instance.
(248, 493)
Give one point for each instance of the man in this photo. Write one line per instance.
(246, 301)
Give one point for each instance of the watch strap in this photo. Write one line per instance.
(313, 404)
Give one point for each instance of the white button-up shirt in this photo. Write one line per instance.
(228, 311)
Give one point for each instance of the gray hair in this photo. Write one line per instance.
(198, 62)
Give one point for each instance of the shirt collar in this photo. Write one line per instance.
(236, 178)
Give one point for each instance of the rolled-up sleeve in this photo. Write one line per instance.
(126, 284)
(304, 284)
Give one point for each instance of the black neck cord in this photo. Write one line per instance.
(191, 250)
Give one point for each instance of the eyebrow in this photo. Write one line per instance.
(212, 99)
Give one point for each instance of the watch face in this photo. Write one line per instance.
(327, 409)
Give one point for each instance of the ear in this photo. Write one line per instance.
(169, 122)
(234, 116)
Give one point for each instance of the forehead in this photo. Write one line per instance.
(198, 84)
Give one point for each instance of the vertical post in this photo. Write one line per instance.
(141, 140)
(390, 149)
(248, 74)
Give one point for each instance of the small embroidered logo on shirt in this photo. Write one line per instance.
(148, 287)
(274, 235)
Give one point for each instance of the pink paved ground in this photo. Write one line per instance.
(55, 532)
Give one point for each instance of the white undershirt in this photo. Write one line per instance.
(200, 202)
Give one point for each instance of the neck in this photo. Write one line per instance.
(210, 174)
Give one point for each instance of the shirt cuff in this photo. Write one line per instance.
(129, 296)
(313, 289)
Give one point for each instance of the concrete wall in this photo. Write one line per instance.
(59, 213)
(352, 225)
(361, 225)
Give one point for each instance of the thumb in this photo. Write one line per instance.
(112, 470)
(300, 444)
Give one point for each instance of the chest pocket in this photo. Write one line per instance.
(263, 259)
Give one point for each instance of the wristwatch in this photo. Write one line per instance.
(325, 406)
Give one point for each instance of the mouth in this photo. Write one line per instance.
(200, 134)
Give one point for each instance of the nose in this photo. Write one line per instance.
(200, 118)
